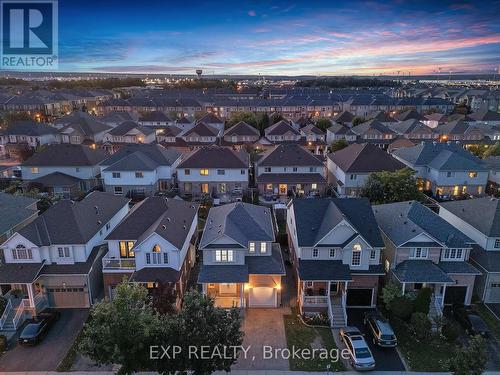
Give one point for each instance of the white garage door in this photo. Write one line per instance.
(262, 297)
(67, 297)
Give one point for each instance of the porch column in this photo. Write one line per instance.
(30, 295)
(442, 297)
(329, 288)
(242, 296)
(204, 288)
(404, 286)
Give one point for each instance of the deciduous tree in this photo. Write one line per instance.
(388, 187)
(471, 359)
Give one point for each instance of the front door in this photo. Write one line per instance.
(227, 288)
(334, 287)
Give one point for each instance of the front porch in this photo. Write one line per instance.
(23, 301)
(226, 295)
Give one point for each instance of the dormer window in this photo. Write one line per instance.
(263, 247)
(126, 249)
(63, 252)
(22, 253)
(453, 254)
(251, 247)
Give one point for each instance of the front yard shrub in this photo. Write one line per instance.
(423, 300)
(3, 303)
(421, 325)
(320, 319)
(402, 307)
(450, 332)
(391, 291)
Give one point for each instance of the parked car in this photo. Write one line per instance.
(470, 321)
(37, 328)
(361, 357)
(380, 330)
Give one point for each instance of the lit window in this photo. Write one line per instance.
(223, 255)
(204, 172)
(263, 247)
(356, 255)
(269, 187)
(35, 170)
(251, 247)
(472, 174)
(126, 249)
(156, 249)
(314, 186)
(315, 253)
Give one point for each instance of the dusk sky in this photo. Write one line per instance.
(279, 37)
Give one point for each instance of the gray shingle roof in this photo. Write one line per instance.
(155, 274)
(223, 274)
(29, 128)
(19, 272)
(240, 129)
(365, 158)
(60, 155)
(266, 265)
(288, 155)
(243, 222)
(454, 268)
(482, 213)
(315, 218)
(403, 221)
(280, 128)
(421, 271)
(69, 222)
(489, 260)
(321, 270)
(169, 218)
(127, 126)
(216, 157)
(148, 155)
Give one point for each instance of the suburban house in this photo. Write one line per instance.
(349, 168)
(289, 169)
(154, 119)
(139, 170)
(335, 247)
(413, 129)
(315, 139)
(338, 131)
(479, 219)
(64, 170)
(424, 250)
(485, 117)
(17, 212)
(493, 165)
(240, 134)
(459, 130)
(55, 261)
(213, 170)
(115, 118)
(211, 120)
(373, 131)
(445, 169)
(281, 132)
(242, 264)
(153, 245)
(130, 132)
(27, 133)
(344, 118)
(80, 127)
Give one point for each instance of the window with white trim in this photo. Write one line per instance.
(251, 247)
(332, 253)
(263, 247)
(373, 254)
(356, 255)
(116, 174)
(63, 252)
(497, 243)
(419, 253)
(223, 255)
(315, 253)
(453, 254)
(21, 253)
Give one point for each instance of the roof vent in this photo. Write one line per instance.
(169, 219)
(405, 222)
(164, 226)
(99, 222)
(184, 227)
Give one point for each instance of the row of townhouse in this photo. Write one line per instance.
(342, 251)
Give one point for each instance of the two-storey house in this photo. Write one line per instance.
(242, 264)
(335, 247)
(213, 170)
(80, 127)
(26, 134)
(55, 261)
(153, 245)
(349, 168)
(445, 169)
(289, 169)
(479, 219)
(17, 212)
(424, 250)
(130, 132)
(373, 131)
(64, 170)
(338, 131)
(139, 170)
(240, 134)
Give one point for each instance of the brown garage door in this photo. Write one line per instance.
(67, 297)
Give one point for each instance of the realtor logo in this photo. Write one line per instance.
(29, 34)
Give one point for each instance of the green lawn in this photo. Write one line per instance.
(301, 336)
(490, 320)
(431, 355)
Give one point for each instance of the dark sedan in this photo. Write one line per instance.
(37, 328)
(470, 321)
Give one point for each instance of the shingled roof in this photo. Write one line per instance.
(288, 155)
(216, 157)
(364, 158)
(60, 155)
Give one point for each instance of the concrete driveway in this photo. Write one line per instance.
(386, 359)
(46, 355)
(263, 327)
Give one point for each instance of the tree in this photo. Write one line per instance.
(357, 120)
(262, 122)
(478, 150)
(423, 300)
(387, 187)
(121, 331)
(421, 325)
(471, 360)
(391, 291)
(338, 145)
(201, 324)
(462, 109)
(323, 123)
(247, 117)
(492, 150)
(275, 117)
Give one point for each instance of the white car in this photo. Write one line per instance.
(361, 356)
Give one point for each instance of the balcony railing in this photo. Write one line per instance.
(315, 300)
(112, 263)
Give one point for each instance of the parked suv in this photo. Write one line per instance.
(380, 330)
(470, 321)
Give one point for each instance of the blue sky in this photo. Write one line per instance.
(279, 37)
